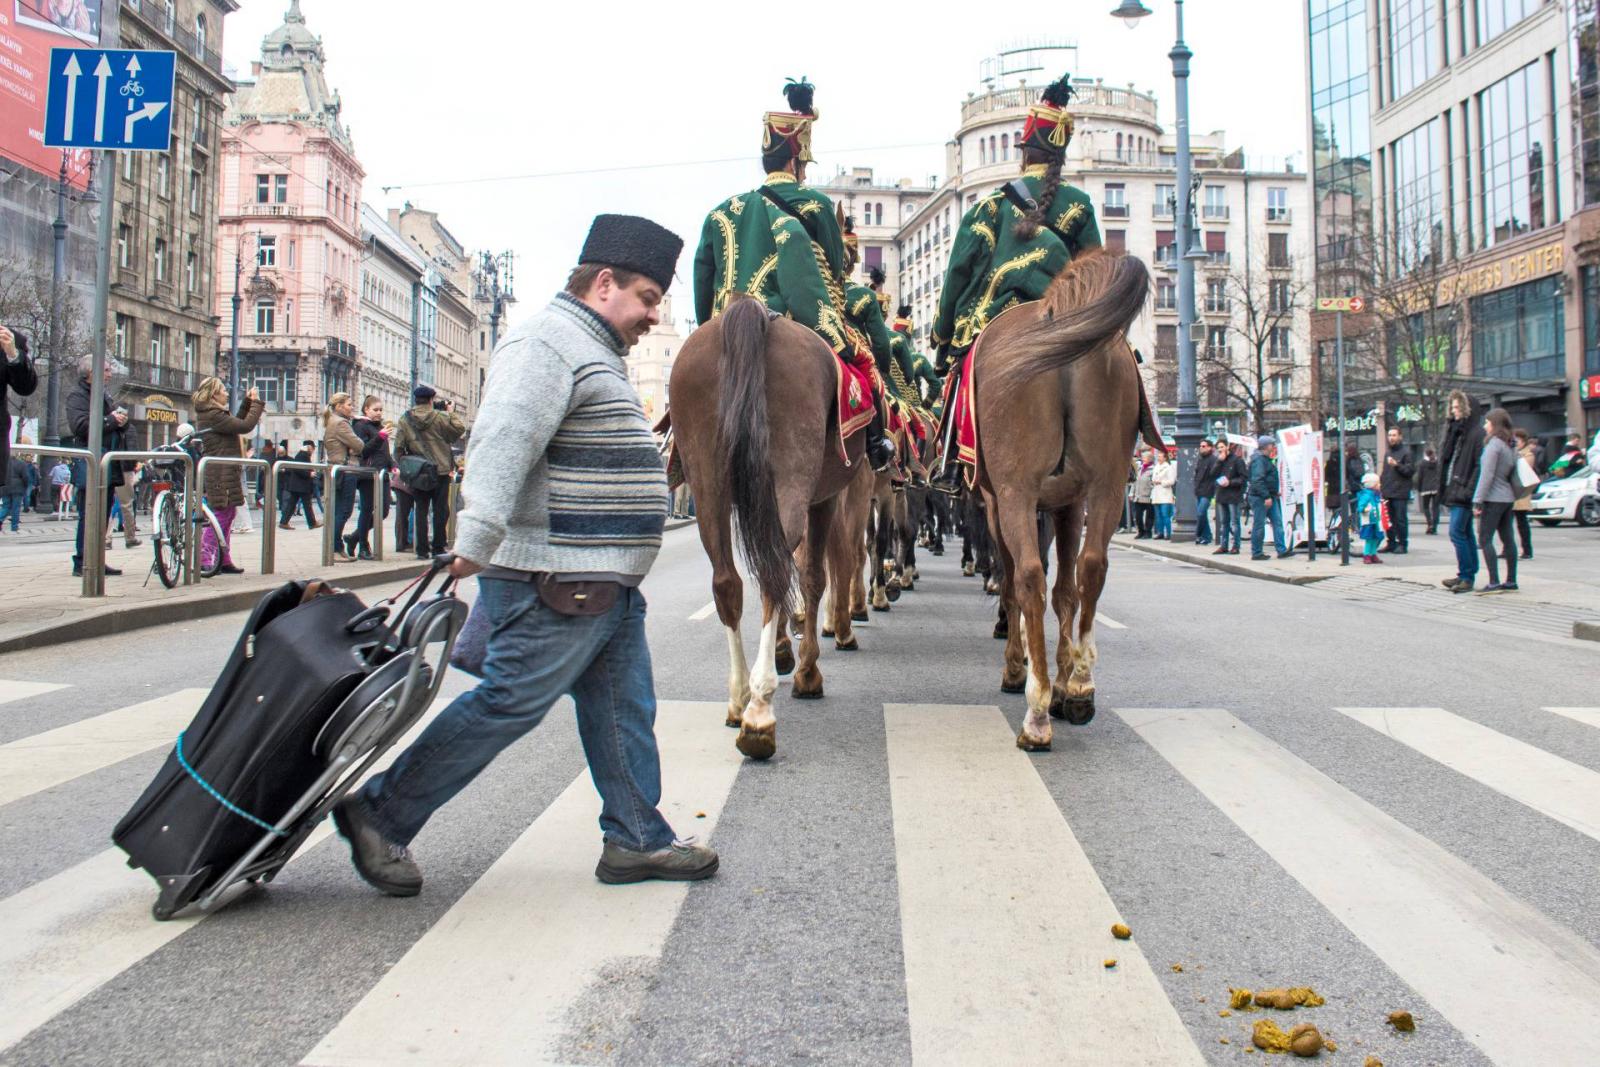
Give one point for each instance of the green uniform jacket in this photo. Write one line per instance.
(817, 212)
(922, 373)
(862, 310)
(991, 269)
(748, 245)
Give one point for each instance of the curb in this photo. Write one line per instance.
(1586, 631)
(1226, 568)
(117, 619)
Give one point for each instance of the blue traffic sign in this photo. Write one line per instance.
(109, 98)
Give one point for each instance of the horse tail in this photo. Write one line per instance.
(742, 431)
(1095, 298)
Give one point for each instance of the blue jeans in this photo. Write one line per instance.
(1164, 521)
(1466, 544)
(1261, 513)
(11, 505)
(1230, 518)
(536, 656)
(1202, 519)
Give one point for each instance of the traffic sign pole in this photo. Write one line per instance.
(1344, 489)
(93, 510)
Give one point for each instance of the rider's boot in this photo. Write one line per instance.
(880, 450)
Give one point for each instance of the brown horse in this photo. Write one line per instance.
(783, 476)
(1060, 445)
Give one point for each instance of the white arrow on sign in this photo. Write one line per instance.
(72, 72)
(102, 71)
(149, 111)
(133, 66)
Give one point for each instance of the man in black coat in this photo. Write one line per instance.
(1459, 456)
(1354, 471)
(111, 439)
(1205, 487)
(1427, 482)
(1394, 484)
(16, 376)
(1229, 479)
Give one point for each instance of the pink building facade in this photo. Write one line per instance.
(288, 240)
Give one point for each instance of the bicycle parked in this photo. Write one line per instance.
(173, 527)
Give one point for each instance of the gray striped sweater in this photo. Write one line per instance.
(563, 474)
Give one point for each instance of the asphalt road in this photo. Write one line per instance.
(1282, 788)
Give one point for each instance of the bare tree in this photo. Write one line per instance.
(25, 305)
(1259, 296)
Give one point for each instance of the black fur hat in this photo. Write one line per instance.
(633, 243)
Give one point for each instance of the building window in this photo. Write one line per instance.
(127, 166)
(266, 252)
(194, 192)
(1166, 295)
(1279, 298)
(1280, 387)
(1413, 44)
(1217, 247)
(1512, 115)
(263, 188)
(993, 157)
(1116, 201)
(124, 331)
(1591, 320)
(124, 238)
(1497, 16)
(1418, 198)
(1166, 246)
(1166, 196)
(1216, 295)
(878, 214)
(280, 188)
(1116, 241)
(1277, 203)
(1216, 202)
(158, 345)
(161, 260)
(191, 349)
(1518, 332)
(1217, 342)
(1278, 345)
(1005, 146)
(1277, 250)
(266, 315)
(200, 32)
(163, 174)
(198, 133)
(190, 270)
(291, 253)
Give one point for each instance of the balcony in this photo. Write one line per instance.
(158, 376)
(253, 209)
(341, 349)
(1217, 261)
(1114, 211)
(1280, 355)
(1279, 214)
(1161, 211)
(1214, 211)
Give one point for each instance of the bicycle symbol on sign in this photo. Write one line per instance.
(132, 87)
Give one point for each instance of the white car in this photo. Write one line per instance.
(1575, 498)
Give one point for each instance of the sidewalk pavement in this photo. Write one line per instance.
(1559, 589)
(45, 605)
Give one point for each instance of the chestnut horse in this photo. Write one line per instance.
(1060, 404)
(785, 478)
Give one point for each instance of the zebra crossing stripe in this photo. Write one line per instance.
(493, 980)
(1548, 784)
(11, 691)
(36, 763)
(73, 932)
(1587, 716)
(1484, 959)
(995, 973)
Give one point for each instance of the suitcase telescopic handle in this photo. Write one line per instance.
(381, 611)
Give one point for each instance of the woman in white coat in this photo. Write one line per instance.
(1162, 494)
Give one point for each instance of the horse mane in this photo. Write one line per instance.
(1096, 297)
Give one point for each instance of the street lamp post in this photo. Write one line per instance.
(1190, 427)
(51, 434)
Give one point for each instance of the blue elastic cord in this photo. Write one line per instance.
(220, 799)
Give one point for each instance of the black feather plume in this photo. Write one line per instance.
(904, 312)
(876, 276)
(850, 224)
(1058, 92)
(799, 94)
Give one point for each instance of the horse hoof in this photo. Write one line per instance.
(892, 591)
(936, 550)
(785, 661)
(908, 584)
(808, 694)
(879, 607)
(1001, 630)
(991, 587)
(853, 646)
(1032, 744)
(757, 744)
(1013, 687)
(734, 721)
(1075, 710)
(967, 570)
(826, 631)
(859, 616)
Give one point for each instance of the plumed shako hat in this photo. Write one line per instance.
(633, 243)
(1049, 125)
(787, 134)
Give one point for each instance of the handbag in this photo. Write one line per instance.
(419, 473)
(1524, 479)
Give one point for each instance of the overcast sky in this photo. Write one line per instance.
(439, 97)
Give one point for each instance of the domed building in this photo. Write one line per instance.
(1252, 224)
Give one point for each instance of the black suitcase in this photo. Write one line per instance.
(315, 690)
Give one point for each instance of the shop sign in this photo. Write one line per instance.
(1589, 389)
(1369, 421)
(161, 415)
(1522, 267)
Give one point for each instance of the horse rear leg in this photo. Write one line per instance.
(758, 725)
(813, 577)
(1092, 566)
(727, 590)
(1019, 533)
(1068, 533)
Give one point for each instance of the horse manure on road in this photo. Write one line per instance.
(1303, 1040)
(1120, 932)
(1402, 1021)
(1289, 999)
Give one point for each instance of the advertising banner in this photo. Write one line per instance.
(28, 30)
(1300, 480)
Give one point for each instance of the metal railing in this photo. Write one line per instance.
(330, 472)
(269, 505)
(95, 519)
(89, 475)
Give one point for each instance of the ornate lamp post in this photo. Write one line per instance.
(1190, 425)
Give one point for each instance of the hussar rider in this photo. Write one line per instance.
(782, 244)
(1010, 246)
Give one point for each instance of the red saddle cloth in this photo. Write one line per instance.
(959, 405)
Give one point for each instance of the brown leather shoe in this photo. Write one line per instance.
(681, 861)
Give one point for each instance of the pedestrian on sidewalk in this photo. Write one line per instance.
(1163, 494)
(1205, 488)
(16, 376)
(111, 424)
(221, 435)
(374, 456)
(1459, 456)
(342, 447)
(12, 489)
(242, 522)
(1399, 471)
(1522, 510)
(558, 375)
(426, 433)
(61, 486)
(1492, 499)
(1428, 488)
(296, 485)
(285, 500)
(1266, 506)
(1230, 481)
(1144, 511)
(1369, 517)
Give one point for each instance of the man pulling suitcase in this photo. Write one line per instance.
(560, 556)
